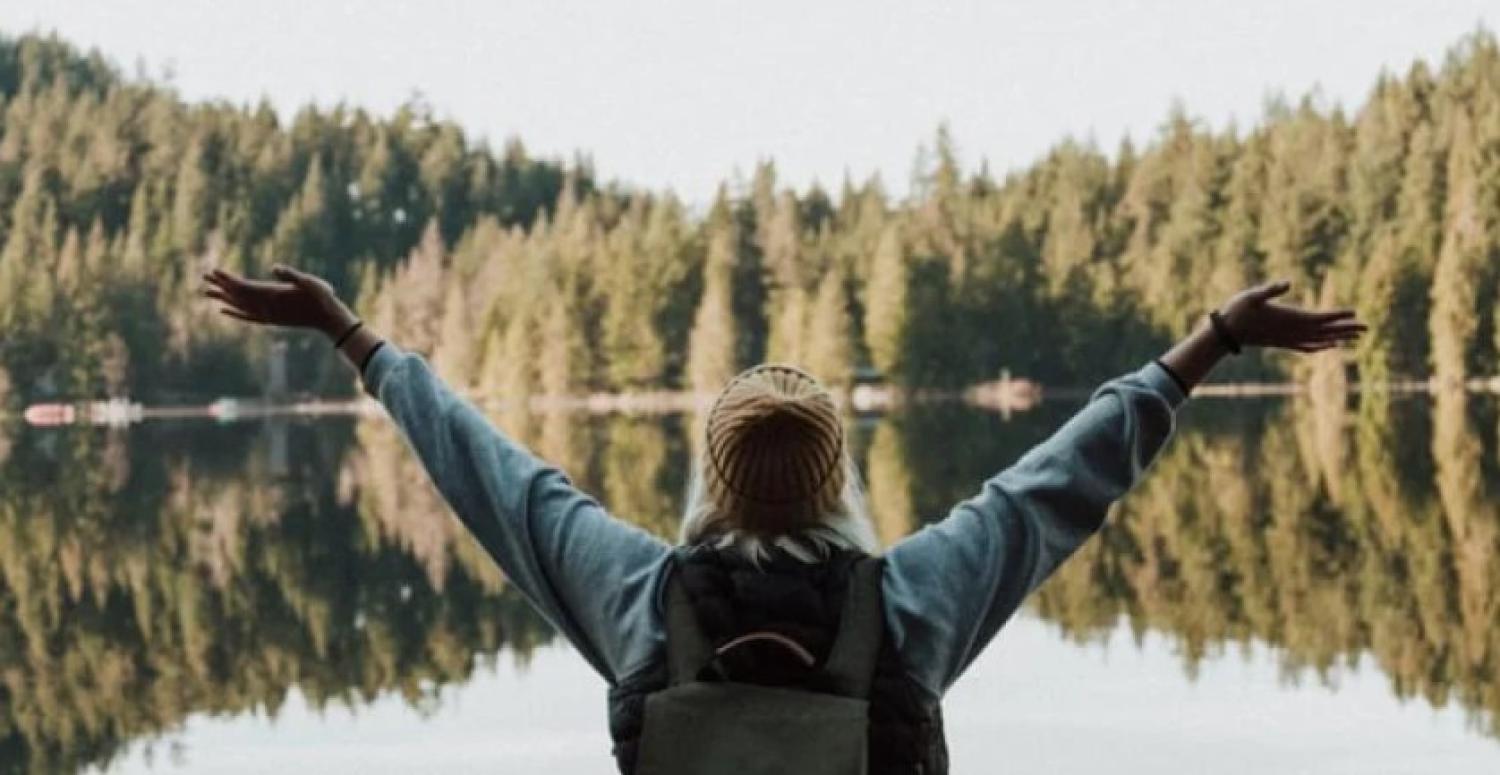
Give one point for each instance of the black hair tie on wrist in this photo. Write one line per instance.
(1221, 329)
(1181, 385)
(345, 336)
(369, 356)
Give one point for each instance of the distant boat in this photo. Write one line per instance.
(50, 414)
(1006, 394)
(114, 412)
(225, 409)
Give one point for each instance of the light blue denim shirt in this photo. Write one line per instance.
(948, 587)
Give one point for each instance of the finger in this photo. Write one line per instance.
(238, 285)
(266, 286)
(218, 295)
(1341, 329)
(1268, 291)
(237, 294)
(215, 280)
(1328, 335)
(239, 288)
(1335, 341)
(1304, 323)
(238, 315)
(296, 277)
(1342, 336)
(1332, 341)
(227, 279)
(1313, 318)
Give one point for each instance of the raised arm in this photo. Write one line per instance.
(587, 572)
(950, 586)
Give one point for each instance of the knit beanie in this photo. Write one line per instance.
(774, 452)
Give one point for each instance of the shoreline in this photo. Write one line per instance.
(1005, 396)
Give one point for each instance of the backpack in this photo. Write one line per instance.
(698, 725)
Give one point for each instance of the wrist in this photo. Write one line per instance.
(338, 323)
(1209, 341)
(1223, 333)
(361, 345)
(1193, 357)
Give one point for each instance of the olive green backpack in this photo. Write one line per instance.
(696, 727)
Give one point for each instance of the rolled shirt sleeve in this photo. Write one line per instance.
(591, 575)
(950, 586)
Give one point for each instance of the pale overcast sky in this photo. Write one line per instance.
(683, 94)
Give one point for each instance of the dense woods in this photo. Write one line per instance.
(116, 195)
(522, 276)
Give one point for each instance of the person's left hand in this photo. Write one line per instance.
(294, 299)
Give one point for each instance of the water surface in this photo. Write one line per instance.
(1305, 585)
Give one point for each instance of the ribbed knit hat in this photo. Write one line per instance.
(775, 451)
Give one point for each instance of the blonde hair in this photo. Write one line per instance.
(775, 471)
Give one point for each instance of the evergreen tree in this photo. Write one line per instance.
(886, 305)
(1071, 220)
(560, 353)
(788, 342)
(1377, 305)
(1455, 319)
(890, 484)
(786, 279)
(830, 337)
(511, 362)
(191, 206)
(1237, 254)
(453, 354)
(712, 348)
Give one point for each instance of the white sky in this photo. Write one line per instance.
(683, 94)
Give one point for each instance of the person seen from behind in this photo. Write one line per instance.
(775, 636)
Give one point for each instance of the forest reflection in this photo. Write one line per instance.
(181, 569)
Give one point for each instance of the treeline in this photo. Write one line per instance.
(521, 276)
(115, 195)
(1067, 271)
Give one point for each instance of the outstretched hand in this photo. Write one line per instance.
(294, 299)
(1255, 320)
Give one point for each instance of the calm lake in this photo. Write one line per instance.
(1305, 585)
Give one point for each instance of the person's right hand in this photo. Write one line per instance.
(294, 299)
(1255, 320)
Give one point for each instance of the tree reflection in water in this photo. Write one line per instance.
(173, 570)
(149, 576)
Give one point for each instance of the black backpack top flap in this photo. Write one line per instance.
(850, 665)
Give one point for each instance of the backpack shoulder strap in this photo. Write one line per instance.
(851, 660)
(688, 649)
